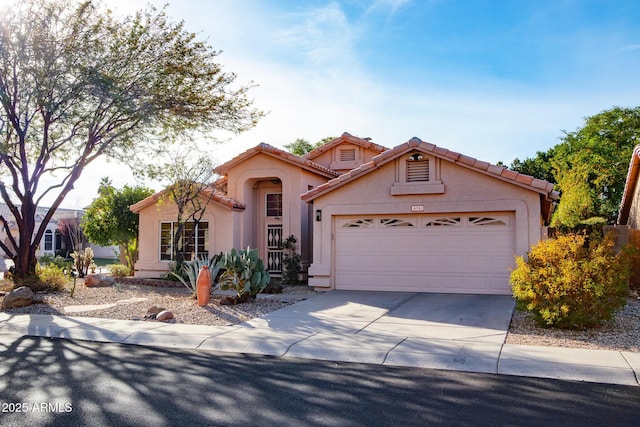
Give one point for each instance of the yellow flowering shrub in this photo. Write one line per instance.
(572, 281)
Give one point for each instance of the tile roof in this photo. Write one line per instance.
(345, 137)
(498, 172)
(629, 186)
(41, 211)
(277, 153)
(216, 196)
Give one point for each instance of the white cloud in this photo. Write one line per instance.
(631, 47)
(315, 84)
(390, 6)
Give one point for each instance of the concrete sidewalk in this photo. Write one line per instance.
(401, 329)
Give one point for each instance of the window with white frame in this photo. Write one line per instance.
(194, 240)
(48, 240)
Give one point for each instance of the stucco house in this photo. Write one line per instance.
(413, 218)
(52, 243)
(629, 214)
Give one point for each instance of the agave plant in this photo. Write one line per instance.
(191, 269)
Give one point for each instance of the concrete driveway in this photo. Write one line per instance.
(447, 331)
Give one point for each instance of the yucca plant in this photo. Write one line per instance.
(190, 269)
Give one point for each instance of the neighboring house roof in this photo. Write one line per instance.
(629, 186)
(538, 185)
(348, 138)
(279, 154)
(216, 196)
(41, 211)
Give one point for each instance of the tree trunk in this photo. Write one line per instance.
(25, 259)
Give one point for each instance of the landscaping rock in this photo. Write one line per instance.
(98, 280)
(164, 316)
(154, 309)
(19, 297)
(153, 312)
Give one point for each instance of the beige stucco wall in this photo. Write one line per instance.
(244, 183)
(220, 218)
(465, 190)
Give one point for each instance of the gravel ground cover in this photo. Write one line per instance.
(621, 333)
(132, 302)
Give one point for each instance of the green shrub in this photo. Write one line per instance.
(57, 261)
(119, 270)
(572, 282)
(291, 265)
(51, 277)
(244, 273)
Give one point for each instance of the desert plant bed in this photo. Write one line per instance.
(132, 301)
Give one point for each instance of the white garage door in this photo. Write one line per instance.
(452, 253)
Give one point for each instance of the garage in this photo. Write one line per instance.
(449, 253)
(420, 218)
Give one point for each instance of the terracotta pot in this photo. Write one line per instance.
(203, 285)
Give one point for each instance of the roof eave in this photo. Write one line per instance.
(629, 186)
(498, 172)
(279, 154)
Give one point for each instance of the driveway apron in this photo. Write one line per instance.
(450, 331)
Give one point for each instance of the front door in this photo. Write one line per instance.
(273, 232)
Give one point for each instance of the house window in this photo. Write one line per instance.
(194, 240)
(417, 170)
(395, 222)
(348, 155)
(48, 240)
(485, 221)
(444, 222)
(274, 204)
(359, 223)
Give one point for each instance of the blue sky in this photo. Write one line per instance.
(491, 79)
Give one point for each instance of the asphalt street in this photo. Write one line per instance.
(55, 382)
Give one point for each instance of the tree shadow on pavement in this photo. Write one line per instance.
(120, 385)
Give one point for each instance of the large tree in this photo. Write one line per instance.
(538, 166)
(589, 166)
(187, 175)
(109, 221)
(301, 146)
(78, 82)
(599, 152)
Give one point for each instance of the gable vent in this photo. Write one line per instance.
(348, 155)
(418, 170)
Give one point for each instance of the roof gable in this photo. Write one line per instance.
(345, 138)
(415, 144)
(279, 154)
(214, 195)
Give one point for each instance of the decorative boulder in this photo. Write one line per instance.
(19, 297)
(153, 312)
(164, 316)
(97, 280)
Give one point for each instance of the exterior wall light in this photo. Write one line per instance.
(318, 215)
(416, 157)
